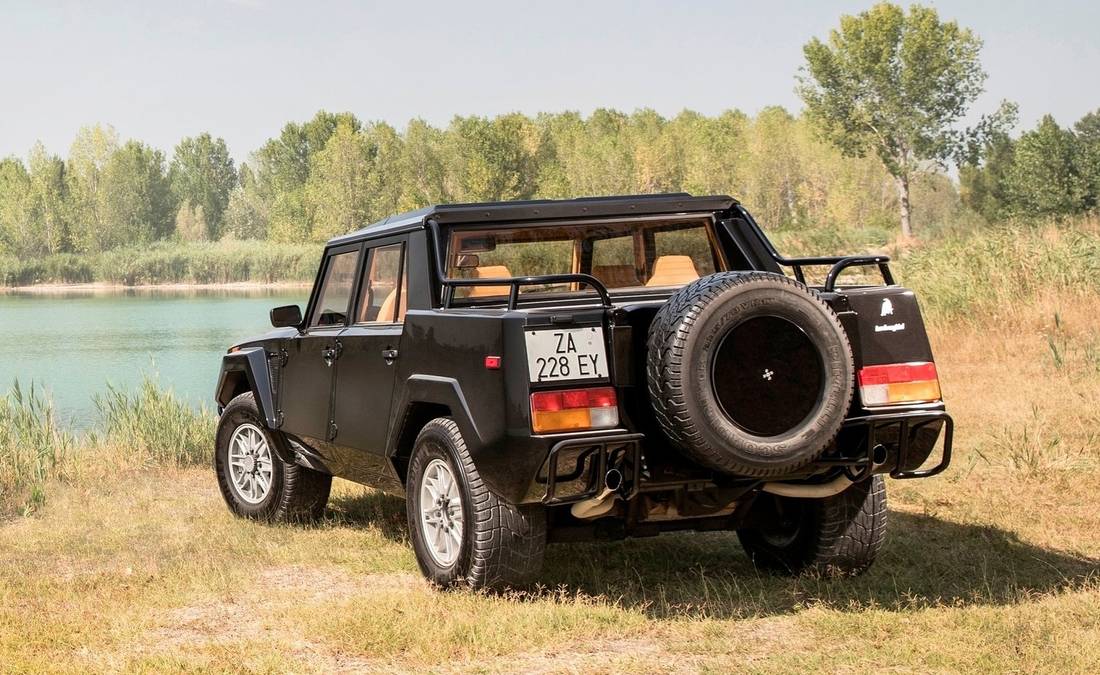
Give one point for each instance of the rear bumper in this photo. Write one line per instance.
(898, 443)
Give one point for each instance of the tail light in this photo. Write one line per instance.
(574, 409)
(899, 383)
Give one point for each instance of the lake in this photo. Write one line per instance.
(73, 344)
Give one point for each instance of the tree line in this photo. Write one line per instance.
(883, 93)
(335, 173)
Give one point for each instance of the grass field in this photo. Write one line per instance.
(128, 560)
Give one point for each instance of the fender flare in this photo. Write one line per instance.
(249, 364)
(433, 389)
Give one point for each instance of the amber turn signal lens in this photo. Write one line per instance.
(574, 410)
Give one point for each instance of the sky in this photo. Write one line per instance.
(240, 69)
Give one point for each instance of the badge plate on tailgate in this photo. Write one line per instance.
(566, 354)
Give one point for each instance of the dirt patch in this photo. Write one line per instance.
(251, 615)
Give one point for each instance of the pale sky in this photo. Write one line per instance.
(158, 71)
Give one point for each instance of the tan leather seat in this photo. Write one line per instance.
(489, 272)
(616, 276)
(673, 270)
(386, 311)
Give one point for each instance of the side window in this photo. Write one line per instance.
(336, 290)
(383, 295)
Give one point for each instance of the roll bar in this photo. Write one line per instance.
(838, 263)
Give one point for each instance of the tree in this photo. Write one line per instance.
(983, 183)
(135, 199)
(1088, 156)
(246, 216)
(191, 222)
(49, 196)
(422, 165)
(489, 160)
(282, 168)
(15, 188)
(894, 84)
(202, 175)
(1044, 177)
(88, 157)
(337, 189)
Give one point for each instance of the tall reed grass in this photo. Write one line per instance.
(150, 426)
(994, 272)
(155, 426)
(169, 262)
(33, 448)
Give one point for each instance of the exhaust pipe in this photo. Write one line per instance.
(833, 487)
(602, 503)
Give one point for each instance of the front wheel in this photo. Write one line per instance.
(839, 535)
(254, 481)
(462, 533)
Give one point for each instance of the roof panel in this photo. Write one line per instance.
(540, 209)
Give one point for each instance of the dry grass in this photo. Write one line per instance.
(992, 566)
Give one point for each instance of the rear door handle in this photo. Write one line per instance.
(330, 354)
(389, 355)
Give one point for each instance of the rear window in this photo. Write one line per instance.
(632, 255)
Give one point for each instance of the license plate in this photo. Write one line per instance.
(566, 354)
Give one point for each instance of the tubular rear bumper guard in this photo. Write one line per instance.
(585, 462)
(907, 426)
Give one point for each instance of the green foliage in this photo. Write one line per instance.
(1088, 157)
(133, 200)
(893, 83)
(1047, 171)
(1044, 178)
(202, 176)
(984, 188)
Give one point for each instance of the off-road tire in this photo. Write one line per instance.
(839, 535)
(502, 544)
(297, 494)
(684, 338)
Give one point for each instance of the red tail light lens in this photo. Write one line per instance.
(898, 383)
(574, 409)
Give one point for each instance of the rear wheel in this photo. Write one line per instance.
(254, 480)
(838, 535)
(462, 533)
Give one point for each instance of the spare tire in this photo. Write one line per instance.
(749, 373)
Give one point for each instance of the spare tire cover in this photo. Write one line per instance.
(749, 373)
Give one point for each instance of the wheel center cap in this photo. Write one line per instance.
(249, 464)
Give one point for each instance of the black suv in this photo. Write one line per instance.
(537, 371)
